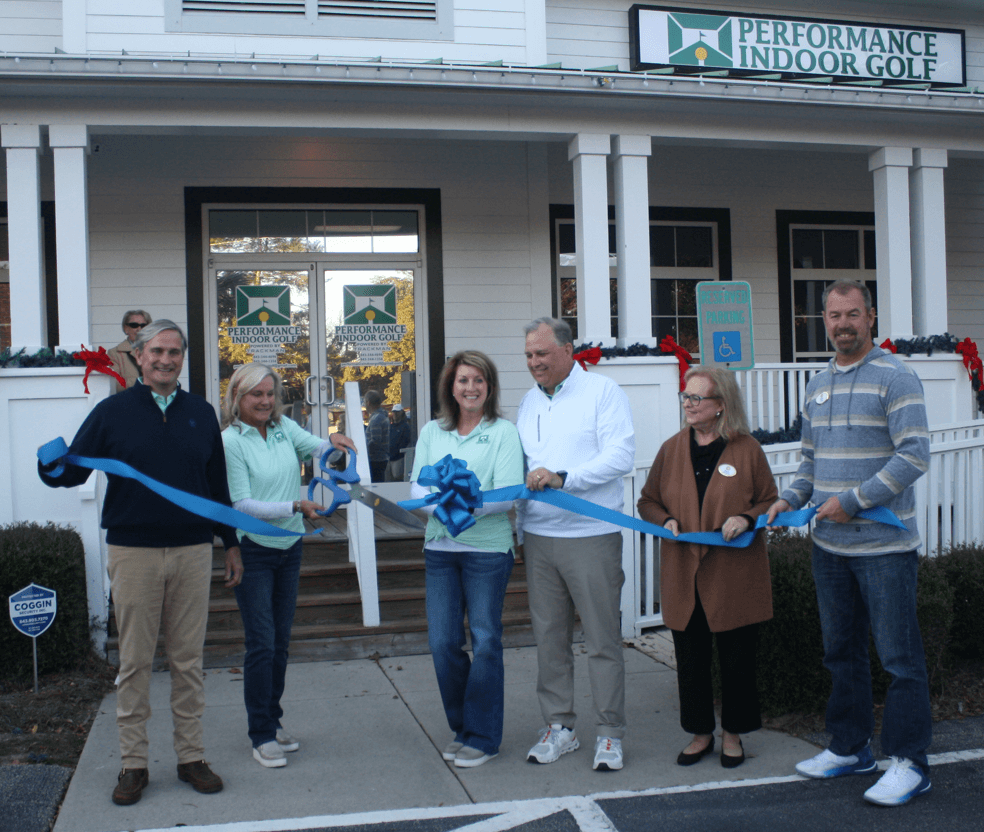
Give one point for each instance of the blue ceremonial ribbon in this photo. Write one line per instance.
(459, 493)
(577, 505)
(57, 451)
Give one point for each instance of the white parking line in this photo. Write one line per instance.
(509, 814)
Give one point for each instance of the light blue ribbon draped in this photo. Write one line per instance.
(460, 493)
(57, 451)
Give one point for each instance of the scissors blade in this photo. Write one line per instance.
(387, 508)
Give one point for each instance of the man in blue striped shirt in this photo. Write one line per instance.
(865, 442)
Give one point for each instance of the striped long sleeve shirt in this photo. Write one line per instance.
(865, 441)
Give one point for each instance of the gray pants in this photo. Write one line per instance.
(585, 573)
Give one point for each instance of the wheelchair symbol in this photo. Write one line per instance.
(727, 347)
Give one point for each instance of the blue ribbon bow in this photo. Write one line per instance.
(577, 505)
(459, 494)
(57, 451)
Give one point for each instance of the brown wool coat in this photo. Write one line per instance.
(124, 362)
(734, 584)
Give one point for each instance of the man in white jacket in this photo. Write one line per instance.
(576, 429)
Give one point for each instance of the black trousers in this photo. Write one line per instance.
(739, 691)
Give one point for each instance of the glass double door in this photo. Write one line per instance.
(319, 325)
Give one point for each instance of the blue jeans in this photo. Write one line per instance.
(267, 597)
(880, 591)
(471, 689)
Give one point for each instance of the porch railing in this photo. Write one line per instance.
(949, 501)
(774, 393)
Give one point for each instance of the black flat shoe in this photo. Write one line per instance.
(685, 759)
(727, 761)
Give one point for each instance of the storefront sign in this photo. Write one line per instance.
(794, 47)
(370, 321)
(724, 322)
(263, 321)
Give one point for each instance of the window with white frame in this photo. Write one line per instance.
(681, 254)
(383, 19)
(821, 255)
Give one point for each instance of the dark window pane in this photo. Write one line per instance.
(810, 335)
(840, 249)
(869, 249)
(808, 296)
(661, 247)
(664, 302)
(568, 297)
(688, 335)
(394, 231)
(282, 223)
(232, 223)
(663, 327)
(686, 297)
(572, 323)
(613, 297)
(693, 246)
(565, 238)
(807, 248)
(612, 249)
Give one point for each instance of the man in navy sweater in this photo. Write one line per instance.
(160, 556)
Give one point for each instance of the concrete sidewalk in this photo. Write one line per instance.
(371, 735)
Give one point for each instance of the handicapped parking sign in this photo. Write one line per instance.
(727, 346)
(32, 609)
(724, 324)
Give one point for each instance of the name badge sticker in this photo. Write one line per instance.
(727, 470)
(823, 397)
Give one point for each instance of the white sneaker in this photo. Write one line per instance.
(286, 741)
(270, 755)
(903, 781)
(827, 764)
(468, 757)
(608, 754)
(451, 749)
(555, 740)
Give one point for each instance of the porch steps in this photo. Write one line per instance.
(328, 620)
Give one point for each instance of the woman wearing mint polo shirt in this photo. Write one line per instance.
(263, 451)
(470, 572)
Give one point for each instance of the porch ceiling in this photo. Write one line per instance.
(185, 95)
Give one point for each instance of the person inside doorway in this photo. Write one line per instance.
(377, 436)
(124, 361)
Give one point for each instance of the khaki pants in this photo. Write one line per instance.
(564, 573)
(152, 587)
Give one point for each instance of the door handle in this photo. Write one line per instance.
(329, 385)
(307, 390)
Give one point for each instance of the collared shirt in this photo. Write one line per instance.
(268, 469)
(162, 401)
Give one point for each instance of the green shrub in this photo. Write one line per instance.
(52, 556)
(791, 675)
(964, 567)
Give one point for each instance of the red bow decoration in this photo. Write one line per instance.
(668, 345)
(98, 361)
(888, 345)
(592, 355)
(971, 360)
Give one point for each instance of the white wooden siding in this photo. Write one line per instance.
(30, 25)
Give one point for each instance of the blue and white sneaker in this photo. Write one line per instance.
(903, 781)
(827, 764)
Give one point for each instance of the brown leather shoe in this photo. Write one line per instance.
(130, 786)
(200, 777)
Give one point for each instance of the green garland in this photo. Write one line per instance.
(45, 357)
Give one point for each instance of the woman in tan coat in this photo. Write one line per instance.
(713, 476)
(124, 361)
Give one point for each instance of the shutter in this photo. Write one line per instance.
(382, 9)
(278, 7)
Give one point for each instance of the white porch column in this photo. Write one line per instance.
(28, 317)
(890, 167)
(589, 153)
(535, 13)
(635, 309)
(928, 229)
(70, 145)
(74, 27)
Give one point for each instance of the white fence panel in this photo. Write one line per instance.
(774, 393)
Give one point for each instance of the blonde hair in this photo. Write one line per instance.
(245, 379)
(733, 421)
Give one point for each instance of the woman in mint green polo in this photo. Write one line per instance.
(470, 572)
(264, 450)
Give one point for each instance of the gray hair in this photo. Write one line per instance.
(150, 331)
(733, 421)
(247, 377)
(131, 312)
(561, 329)
(844, 287)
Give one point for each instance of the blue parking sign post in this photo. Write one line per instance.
(32, 611)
